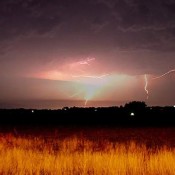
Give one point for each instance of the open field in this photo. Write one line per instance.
(79, 154)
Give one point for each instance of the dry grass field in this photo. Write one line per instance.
(81, 156)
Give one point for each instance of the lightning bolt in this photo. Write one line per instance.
(90, 76)
(85, 103)
(86, 62)
(158, 77)
(146, 87)
(76, 94)
(92, 91)
(173, 70)
(86, 78)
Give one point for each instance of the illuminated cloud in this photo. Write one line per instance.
(88, 42)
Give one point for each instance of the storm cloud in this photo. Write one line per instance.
(131, 37)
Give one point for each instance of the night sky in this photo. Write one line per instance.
(56, 53)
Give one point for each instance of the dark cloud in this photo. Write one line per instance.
(20, 17)
(131, 21)
(144, 24)
(131, 37)
(88, 28)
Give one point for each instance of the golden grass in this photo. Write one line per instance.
(80, 156)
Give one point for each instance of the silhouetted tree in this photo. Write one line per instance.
(135, 105)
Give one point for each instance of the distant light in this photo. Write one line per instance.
(33, 111)
(174, 106)
(95, 110)
(65, 108)
(132, 114)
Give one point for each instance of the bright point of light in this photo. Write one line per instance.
(174, 106)
(132, 114)
(33, 111)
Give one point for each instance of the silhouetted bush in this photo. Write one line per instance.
(136, 105)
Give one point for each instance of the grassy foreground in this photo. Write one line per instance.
(27, 155)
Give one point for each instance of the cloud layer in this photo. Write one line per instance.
(46, 39)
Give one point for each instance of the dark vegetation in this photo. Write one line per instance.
(133, 114)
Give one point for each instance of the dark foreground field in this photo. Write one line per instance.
(87, 150)
(134, 114)
(129, 140)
